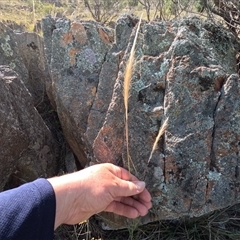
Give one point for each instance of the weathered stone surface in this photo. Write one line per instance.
(102, 99)
(9, 52)
(28, 150)
(24, 53)
(108, 76)
(186, 78)
(76, 51)
(31, 50)
(185, 71)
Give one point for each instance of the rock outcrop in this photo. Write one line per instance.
(9, 52)
(185, 71)
(76, 52)
(31, 50)
(28, 150)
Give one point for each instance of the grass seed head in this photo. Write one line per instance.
(160, 133)
(126, 91)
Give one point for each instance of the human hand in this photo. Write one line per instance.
(102, 187)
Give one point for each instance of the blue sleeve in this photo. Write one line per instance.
(28, 212)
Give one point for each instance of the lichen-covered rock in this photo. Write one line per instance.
(185, 71)
(24, 53)
(188, 79)
(28, 150)
(107, 77)
(9, 52)
(31, 50)
(78, 50)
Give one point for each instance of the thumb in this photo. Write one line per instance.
(128, 188)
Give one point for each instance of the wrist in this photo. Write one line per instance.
(70, 200)
(62, 190)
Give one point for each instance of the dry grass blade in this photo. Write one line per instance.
(160, 133)
(126, 90)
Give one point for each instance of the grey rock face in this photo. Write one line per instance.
(77, 52)
(185, 71)
(31, 50)
(27, 149)
(9, 52)
(24, 53)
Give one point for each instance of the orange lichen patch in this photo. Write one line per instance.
(67, 38)
(219, 81)
(170, 167)
(79, 32)
(103, 36)
(116, 143)
(91, 96)
(72, 54)
(102, 151)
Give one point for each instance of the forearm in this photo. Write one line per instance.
(28, 212)
(34, 210)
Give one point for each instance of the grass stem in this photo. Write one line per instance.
(126, 92)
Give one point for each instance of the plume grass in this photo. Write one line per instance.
(160, 133)
(126, 92)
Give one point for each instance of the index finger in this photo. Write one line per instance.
(124, 174)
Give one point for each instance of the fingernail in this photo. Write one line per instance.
(140, 185)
